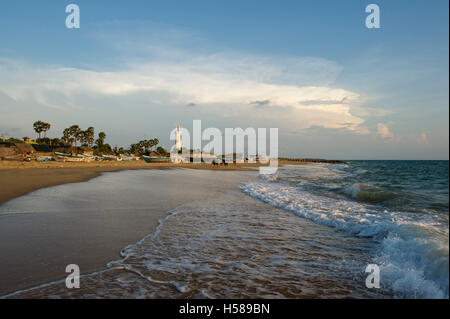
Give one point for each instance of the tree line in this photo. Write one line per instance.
(74, 134)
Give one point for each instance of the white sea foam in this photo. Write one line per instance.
(413, 252)
(233, 246)
(229, 246)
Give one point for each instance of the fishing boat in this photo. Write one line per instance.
(71, 158)
(39, 158)
(128, 158)
(62, 154)
(44, 158)
(111, 158)
(155, 159)
(74, 159)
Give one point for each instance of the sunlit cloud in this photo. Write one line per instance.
(218, 83)
(423, 139)
(384, 132)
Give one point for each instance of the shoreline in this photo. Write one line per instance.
(20, 178)
(22, 235)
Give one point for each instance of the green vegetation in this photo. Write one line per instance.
(100, 146)
(11, 140)
(144, 146)
(40, 126)
(161, 150)
(74, 136)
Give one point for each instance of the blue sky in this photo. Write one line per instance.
(333, 87)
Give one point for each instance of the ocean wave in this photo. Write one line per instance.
(229, 246)
(368, 193)
(413, 255)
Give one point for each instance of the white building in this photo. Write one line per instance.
(178, 138)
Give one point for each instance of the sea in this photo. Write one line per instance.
(402, 207)
(308, 231)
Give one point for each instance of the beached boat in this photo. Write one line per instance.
(62, 154)
(44, 158)
(155, 159)
(111, 158)
(39, 158)
(72, 158)
(128, 158)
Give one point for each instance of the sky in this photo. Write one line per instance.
(334, 88)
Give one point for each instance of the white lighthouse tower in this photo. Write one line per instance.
(178, 138)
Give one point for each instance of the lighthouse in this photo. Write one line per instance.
(178, 138)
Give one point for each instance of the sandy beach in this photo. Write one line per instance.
(212, 240)
(40, 235)
(19, 178)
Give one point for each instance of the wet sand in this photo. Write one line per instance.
(45, 230)
(49, 240)
(20, 178)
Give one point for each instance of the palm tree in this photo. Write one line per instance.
(147, 145)
(39, 127)
(79, 137)
(161, 150)
(46, 127)
(82, 137)
(155, 142)
(89, 134)
(67, 137)
(141, 146)
(134, 149)
(55, 141)
(71, 135)
(101, 139)
(74, 132)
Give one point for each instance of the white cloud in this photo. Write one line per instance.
(384, 132)
(227, 85)
(423, 139)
